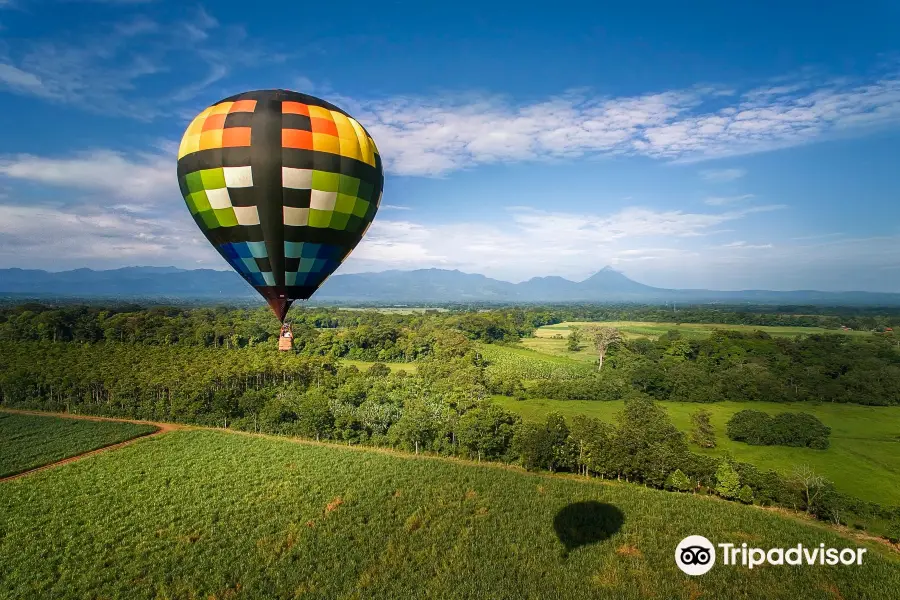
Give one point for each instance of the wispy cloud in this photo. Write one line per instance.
(818, 236)
(393, 207)
(726, 200)
(110, 68)
(421, 136)
(745, 246)
(720, 175)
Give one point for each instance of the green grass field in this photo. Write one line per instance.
(529, 364)
(204, 514)
(863, 459)
(363, 365)
(551, 339)
(29, 441)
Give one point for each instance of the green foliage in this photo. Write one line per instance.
(487, 431)
(545, 446)
(678, 481)
(29, 441)
(728, 482)
(211, 514)
(861, 459)
(785, 429)
(746, 495)
(702, 433)
(573, 343)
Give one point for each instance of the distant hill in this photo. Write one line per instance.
(423, 285)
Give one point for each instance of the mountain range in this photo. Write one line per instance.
(422, 286)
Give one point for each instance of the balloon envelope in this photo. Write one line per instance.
(283, 184)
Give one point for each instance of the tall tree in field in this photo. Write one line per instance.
(809, 482)
(603, 338)
(702, 432)
(573, 345)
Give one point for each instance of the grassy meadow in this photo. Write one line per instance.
(863, 459)
(205, 514)
(551, 339)
(30, 441)
(364, 365)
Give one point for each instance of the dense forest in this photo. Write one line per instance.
(220, 367)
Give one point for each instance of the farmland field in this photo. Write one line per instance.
(863, 459)
(529, 364)
(544, 339)
(29, 441)
(204, 514)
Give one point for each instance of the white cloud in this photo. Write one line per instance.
(419, 136)
(726, 200)
(19, 80)
(720, 175)
(537, 243)
(393, 207)
(145, 177)
(49, 237)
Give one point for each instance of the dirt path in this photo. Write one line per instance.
(161, 428)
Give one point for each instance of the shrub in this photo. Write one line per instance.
(679, 481)
(786, 429)
(728, 484)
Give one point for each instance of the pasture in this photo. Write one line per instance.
(863, 459)
(205, 514)
(363, 365)
(529, 364)
(31, 441)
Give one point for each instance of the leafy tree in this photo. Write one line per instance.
(648, 447)
(486, 431)
(728, 483)
(379, 370)
(530, 442)
(678, 481)
(314, 417)
(702, 432)
(746, 495)
(603, 338)
(574, 340)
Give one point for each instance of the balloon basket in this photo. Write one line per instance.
(286, 338)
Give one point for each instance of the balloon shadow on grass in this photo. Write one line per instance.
(584, 523)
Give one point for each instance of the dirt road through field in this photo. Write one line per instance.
(161, 428)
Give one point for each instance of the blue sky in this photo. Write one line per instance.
(714, 145)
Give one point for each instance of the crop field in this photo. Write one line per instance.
(29, 441)
(551, 339)
(529, 364)
(363, 365)
(204, 514)
(863, 459)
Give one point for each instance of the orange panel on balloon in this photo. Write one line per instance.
(214, 122)
(323, 126)
(243, 106)
(294, 108)
(296, 138)
(235, 136)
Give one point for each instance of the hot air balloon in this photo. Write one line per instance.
(284, 185)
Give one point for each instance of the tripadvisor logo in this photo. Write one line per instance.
(696, 555)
